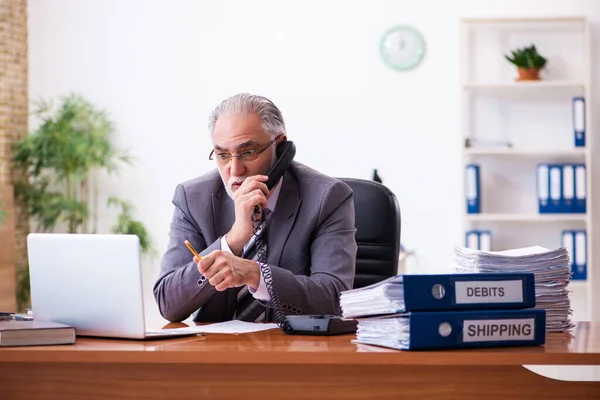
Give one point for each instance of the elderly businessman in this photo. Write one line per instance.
(295, 242)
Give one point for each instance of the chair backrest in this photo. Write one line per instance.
(377, 231)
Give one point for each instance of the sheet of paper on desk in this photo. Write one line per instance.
(231, 327)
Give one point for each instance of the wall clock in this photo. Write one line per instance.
(402, 48)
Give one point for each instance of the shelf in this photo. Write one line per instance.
(525, 85)
(516, 21)
(569, 24)
(536, 118)
(525, 217)
(502, 151)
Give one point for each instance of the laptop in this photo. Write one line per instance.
(91, 282)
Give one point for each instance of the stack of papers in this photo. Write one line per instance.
(550, 268)
(386, 297)
(393, 332)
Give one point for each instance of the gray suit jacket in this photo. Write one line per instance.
(311, 246)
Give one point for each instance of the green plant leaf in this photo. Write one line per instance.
(126, 224)
(72, 143)
(527, 57)
(2, 213)
(23, 288)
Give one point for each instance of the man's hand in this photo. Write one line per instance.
(224, 270)
(252, 192)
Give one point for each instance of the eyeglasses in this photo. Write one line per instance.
(249, 154)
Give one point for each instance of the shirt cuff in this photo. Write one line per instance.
(224, 245)
(261, 293)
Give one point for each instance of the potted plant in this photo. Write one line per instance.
(62, 160)
(529, 63)
(2, 213)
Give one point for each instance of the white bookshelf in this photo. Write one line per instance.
(535, 118)
(524, 86)
(490, 151)
(522, 217)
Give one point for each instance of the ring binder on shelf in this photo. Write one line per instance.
(543, 180)
(579, 121)
(479, 240)
(580, 189)
(473, 189)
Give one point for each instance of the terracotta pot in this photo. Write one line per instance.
(528, 74)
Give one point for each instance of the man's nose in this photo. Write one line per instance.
(237, 167)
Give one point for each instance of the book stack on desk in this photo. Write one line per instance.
(35, 333)
(413, 312)
(551, 269)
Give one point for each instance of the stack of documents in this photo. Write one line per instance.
(550, 268)
(405, 293)
(454, 329)
(411, 312)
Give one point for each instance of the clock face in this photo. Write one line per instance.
(402, 48)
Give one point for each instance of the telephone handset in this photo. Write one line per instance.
(297, 324)
(285, 154)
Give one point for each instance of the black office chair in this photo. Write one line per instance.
(377, 231)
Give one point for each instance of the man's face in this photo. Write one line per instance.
(235, 134)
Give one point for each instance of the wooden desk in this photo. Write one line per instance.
(271, 364)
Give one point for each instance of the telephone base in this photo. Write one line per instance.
(321, 325)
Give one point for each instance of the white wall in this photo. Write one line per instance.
(159, 67)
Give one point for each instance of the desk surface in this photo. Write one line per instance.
(581, 347)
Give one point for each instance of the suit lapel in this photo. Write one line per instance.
(223, 212)
(283, 219)
(280, 224)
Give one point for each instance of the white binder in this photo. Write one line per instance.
(485, 241)
(472, 189)
(568, 188)
(579, 121)
(473, 240)
(543, 188)
(555, 189)
(568, 242)
(580, 189)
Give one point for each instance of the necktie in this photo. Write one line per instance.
(248, 308)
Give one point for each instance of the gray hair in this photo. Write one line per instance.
(244, 103)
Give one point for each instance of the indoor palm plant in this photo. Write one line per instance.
(2, 213)
(62, 160)
(528, 61)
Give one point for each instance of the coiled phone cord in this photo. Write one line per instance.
(282, 322)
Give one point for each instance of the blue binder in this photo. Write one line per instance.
(568, 188)
(468, 291)
(543, 188)
(478, 240)
(467, 329)
(580, 251)
(473, 189)
(579, 121)
(556, 201)
(575, 241)
(580, 205)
